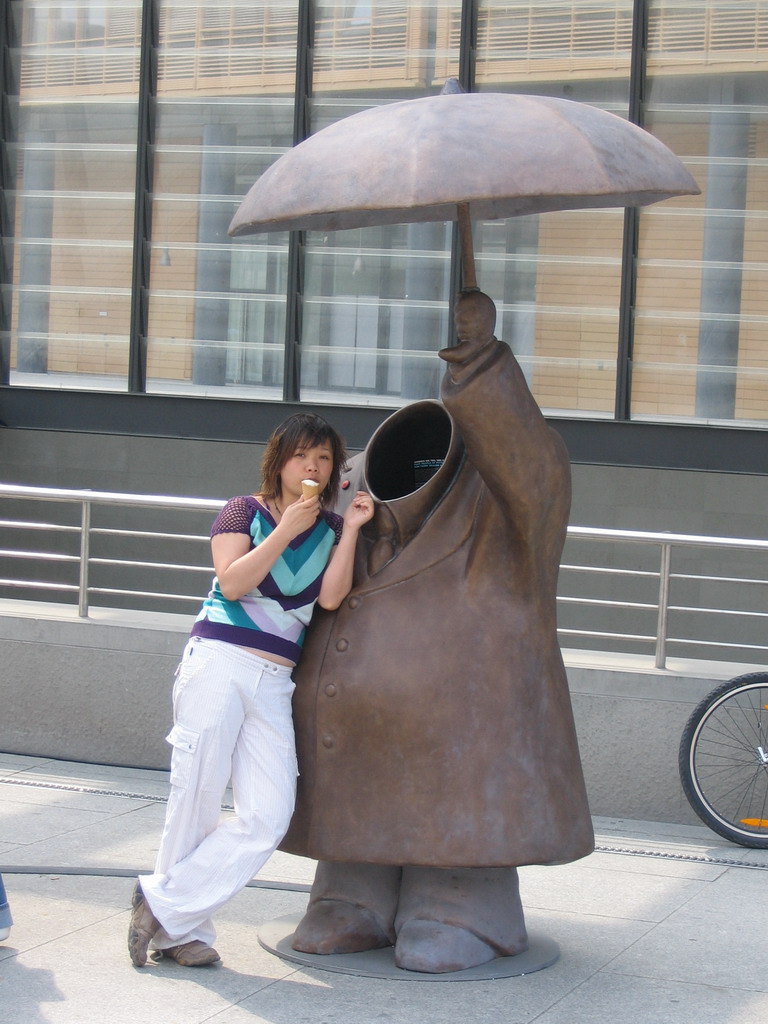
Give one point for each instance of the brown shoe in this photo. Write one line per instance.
(142, 927)
(192, 954)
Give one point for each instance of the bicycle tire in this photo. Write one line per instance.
(723, 760)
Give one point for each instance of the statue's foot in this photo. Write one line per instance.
(432, 947)
(450, 919)
(334, 926)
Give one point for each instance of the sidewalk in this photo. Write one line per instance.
(661, 925)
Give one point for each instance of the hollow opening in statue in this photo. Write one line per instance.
(408, 450)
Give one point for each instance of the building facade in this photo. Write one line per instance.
(131, 130)
(143, 350)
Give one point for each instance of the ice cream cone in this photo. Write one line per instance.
(309, 488)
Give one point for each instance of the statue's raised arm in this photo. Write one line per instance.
(522, 461)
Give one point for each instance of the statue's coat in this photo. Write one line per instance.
(432, 711)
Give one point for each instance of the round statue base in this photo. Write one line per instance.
(276, 936)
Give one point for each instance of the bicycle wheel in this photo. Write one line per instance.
(723, 760)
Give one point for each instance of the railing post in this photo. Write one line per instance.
(663, 619)
(85, 549)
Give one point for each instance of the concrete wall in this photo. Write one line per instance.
(100, 691)
(140, 465)
(683, 501)
(629, 718)
(95, 690)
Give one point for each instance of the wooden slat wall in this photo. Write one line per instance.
(577, 297)
(91, 283)
(389, 49)
(231, 48)
(538, 41)
(751, 389)
(174, 227)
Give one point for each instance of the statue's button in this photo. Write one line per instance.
(327, 742)
(342, 645)
(354, 602)
(330, 690)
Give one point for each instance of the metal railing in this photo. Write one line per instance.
(85, 532)
(753, 616)
(609, 592)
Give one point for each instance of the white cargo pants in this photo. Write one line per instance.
(232, 719)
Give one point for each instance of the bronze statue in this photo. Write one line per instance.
(434, 727)
(436, 741)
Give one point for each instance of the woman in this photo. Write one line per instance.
(275, 555)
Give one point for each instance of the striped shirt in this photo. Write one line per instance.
(273, 617)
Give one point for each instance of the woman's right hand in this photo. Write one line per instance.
(299, 517)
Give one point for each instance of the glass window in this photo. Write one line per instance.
(579, 50)
(700, 350)
(78, 68)
(556, 277)
(376, 300)
(375, 303)
(226, 77)
(371, 53)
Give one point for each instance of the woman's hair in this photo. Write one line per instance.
(304, 430)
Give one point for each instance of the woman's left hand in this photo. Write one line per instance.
(360, 510)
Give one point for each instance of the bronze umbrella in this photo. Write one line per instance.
(459, 156)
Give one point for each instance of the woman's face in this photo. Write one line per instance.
(308, 462)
